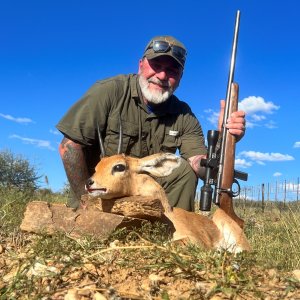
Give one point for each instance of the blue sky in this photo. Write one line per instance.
(53, 51)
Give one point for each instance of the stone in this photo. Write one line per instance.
(97, 218)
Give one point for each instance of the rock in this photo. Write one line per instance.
(97, 220)
(296, 274)
(72, 294)
(98, 296)
(148, 208)
(41, 270)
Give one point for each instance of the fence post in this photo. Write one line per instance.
(298, 189)
(276, 192)
(284, 198)
(270, 191)
(263, 197)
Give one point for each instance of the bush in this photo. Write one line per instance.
(16, 172)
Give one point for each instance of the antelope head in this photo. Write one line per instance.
(121, 176)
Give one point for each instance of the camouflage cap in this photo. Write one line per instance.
(166, 45)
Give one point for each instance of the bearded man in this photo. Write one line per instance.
(153, 120)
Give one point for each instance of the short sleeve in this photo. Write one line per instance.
(81, 120)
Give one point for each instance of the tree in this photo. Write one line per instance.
(16, 171)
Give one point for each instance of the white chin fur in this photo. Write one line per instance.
(97, 193)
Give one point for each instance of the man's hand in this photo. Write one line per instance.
(194, 162)
(236, 123)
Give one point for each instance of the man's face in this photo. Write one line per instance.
(159, 78)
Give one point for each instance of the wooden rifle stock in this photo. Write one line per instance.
(228, 178)
(226, 175)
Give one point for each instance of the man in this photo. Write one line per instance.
(152, 118)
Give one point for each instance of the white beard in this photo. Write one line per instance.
(154, 96)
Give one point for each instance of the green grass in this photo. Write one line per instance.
(275, 235)
(143, 264)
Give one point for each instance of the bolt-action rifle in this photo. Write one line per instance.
(222, 160)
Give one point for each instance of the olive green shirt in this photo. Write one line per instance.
(167, 127)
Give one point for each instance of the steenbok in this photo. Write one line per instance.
(121, 176)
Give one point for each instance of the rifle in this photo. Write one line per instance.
(224, 164)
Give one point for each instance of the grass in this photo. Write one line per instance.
(275, 235)
(143, 264)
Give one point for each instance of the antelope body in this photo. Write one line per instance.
(120, 176)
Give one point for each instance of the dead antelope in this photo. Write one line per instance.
(121, 176)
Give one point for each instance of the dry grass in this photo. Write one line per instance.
(142, 264)
(275, 235)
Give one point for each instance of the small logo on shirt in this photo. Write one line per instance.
(173, 132)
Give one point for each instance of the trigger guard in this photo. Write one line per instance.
(237, 192)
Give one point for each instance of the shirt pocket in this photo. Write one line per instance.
(130, 136)
(171, 143)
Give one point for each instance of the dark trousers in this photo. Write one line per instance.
(180, 186)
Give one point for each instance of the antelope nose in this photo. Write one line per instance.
(89, 182)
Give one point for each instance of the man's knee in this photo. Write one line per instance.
(180, 186)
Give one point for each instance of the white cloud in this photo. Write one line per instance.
(256, 117)
(261, 157)
(260, 163)
(17, 120)
(39, 143)
(277, 174)
(256, 122)
(250, 124)
(242, 163)
(256, 109)
(252, 105)
(297, 145)
(213, 116)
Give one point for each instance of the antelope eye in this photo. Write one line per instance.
(119, 168)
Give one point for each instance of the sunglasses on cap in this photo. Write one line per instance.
(164, 47)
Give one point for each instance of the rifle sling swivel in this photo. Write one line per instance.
(229, 191)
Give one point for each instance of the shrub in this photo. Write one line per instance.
(16, 172)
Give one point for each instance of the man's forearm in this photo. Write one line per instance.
(75, 167)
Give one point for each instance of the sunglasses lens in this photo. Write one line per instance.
(161, 46)
(179, 52)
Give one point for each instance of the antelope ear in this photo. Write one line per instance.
(159, 165)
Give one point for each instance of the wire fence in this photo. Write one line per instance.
(282, 191)
(272, 194)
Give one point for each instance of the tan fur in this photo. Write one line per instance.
(219, 232)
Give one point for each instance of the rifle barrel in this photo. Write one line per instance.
(227, 105)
